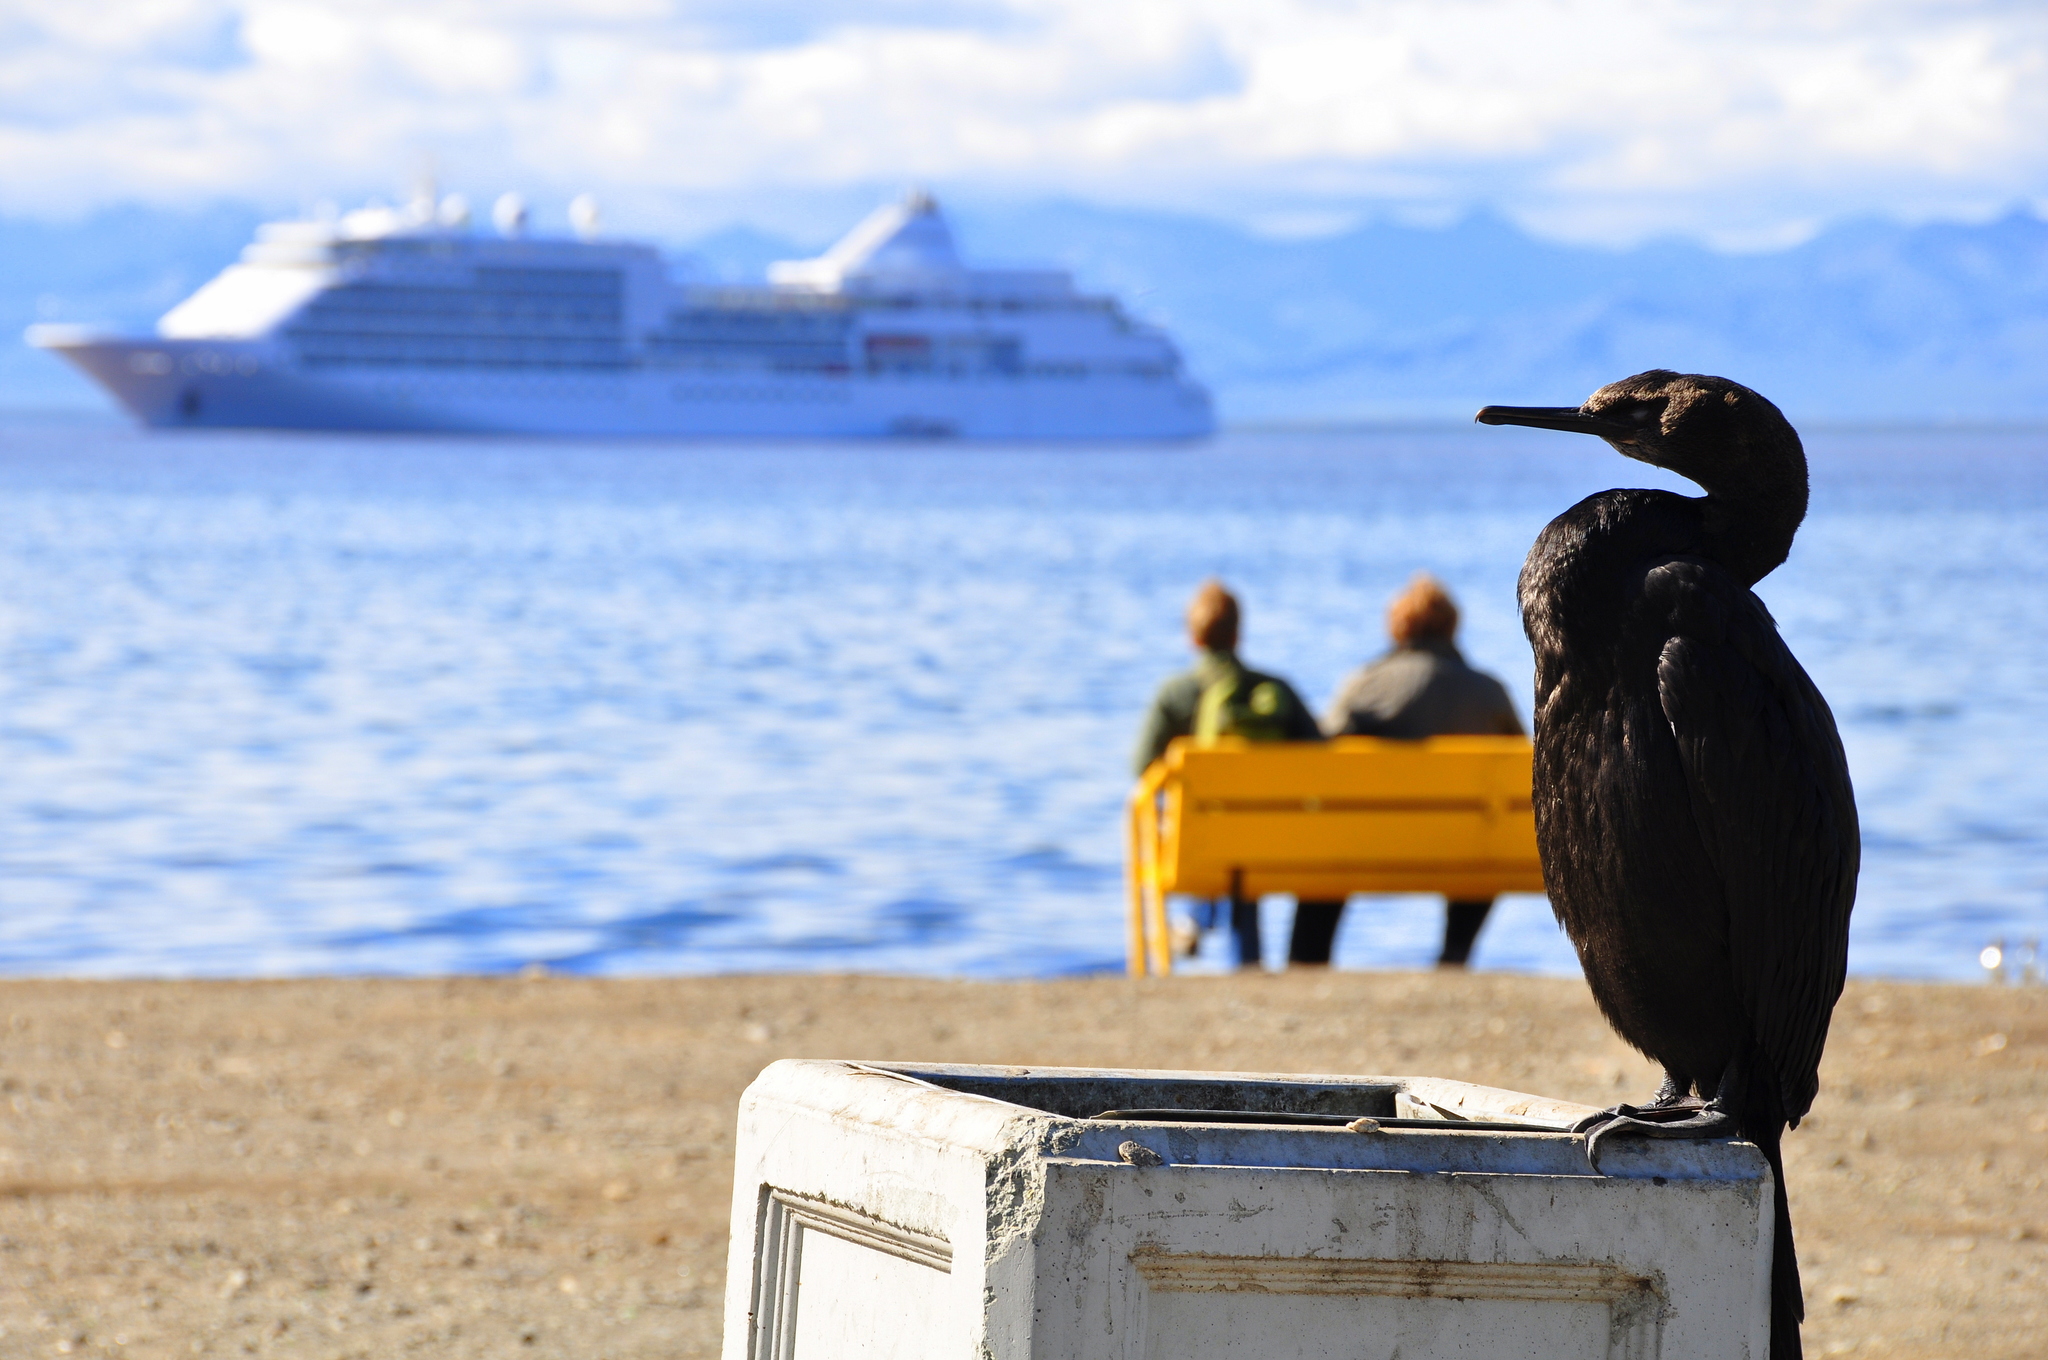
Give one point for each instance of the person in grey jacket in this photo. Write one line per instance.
(1422, 688)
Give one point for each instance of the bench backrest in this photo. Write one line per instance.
(1448, 815)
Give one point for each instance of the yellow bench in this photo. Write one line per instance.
(1226, 817)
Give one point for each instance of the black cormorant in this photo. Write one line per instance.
(1693, 808)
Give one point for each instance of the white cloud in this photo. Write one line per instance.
(1597, 117)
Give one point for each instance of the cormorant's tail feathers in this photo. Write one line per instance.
(1788, 1299)
(1763, 1123)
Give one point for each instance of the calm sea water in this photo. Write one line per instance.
(288, 704)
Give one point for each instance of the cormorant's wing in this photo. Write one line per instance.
(1770, 793)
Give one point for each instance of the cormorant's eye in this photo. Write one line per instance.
(1643, 415)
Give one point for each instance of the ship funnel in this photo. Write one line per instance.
(905, 245)
(583, 216)
(509, 215)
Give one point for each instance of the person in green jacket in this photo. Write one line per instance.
(1221, 696)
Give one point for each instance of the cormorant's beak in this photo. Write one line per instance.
(1551, 418)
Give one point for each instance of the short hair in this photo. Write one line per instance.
(1212, 617)
(1423, 611)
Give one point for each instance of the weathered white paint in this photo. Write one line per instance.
(977, 1213)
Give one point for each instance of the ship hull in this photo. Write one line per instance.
(257, 385)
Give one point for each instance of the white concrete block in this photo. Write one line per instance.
(982, 1213)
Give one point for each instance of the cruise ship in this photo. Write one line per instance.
(408, 319)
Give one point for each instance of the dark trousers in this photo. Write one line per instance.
(1315, 930)
(1244, 924)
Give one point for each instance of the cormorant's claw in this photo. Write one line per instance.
(1594, 1121)
(1700, 1122)
(1657, 1111)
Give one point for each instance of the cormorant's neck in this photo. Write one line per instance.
(1752, 509)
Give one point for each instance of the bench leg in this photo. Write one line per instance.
(1134, 926)
(1158, 935)
(1148, 947)
(1134, 884)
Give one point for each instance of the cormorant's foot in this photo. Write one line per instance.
(1699, 1122)
(1657, 1111)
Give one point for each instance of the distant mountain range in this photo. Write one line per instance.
(1866, 321)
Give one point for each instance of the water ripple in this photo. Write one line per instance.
(292, 704)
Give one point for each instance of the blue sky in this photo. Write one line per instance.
(1745, 123)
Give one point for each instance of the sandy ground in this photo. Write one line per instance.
(541, 1167)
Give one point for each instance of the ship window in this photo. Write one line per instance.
(898, 353)
(548, 318)
(742, 336)
(971, 354)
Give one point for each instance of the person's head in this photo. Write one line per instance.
(1212, 618)
(1424, 612)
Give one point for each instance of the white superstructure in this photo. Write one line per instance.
(408, 320)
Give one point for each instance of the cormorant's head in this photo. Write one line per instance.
(1718, 433)
(1709, 430)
